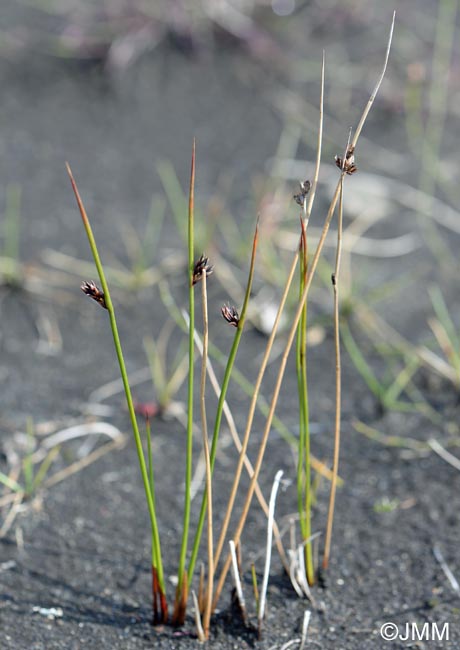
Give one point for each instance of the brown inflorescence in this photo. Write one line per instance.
(347, 165)
(202, 266)
(231, 315)
(304, 189)
(93, 291)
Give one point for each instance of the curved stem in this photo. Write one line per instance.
(123, 372)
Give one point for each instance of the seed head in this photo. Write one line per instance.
(93, 291)
(304, 189)
(202, 266)
(231, 315)
(347, 165)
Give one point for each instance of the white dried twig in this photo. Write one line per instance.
(444, 566)
(80, 430)
(237, 579)
(306, 621)
(268, 556)
(444, 454)
(199, 627)
(297, 565)
(288, 644)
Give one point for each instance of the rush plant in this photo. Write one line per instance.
(199, 269)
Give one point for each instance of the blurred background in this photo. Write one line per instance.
(119, 89)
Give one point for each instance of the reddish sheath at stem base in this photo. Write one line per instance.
(180, 606)
(159, 604)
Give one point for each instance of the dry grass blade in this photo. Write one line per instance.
(429, 358)
(319, 145)
(204, 424)
(247, 463)
(79, 430)
(12, 513)
(363, 119)
(445, 567)
(84, 462)
(338, 383)
(289, 644)
(266, 355)
(444, 454)
(115, 386)
(291, 337)
(199, 627)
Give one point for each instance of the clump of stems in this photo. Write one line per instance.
(221, 402)
(304, 499)
(292, 333)
(198, 272)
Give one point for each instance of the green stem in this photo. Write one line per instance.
(220, 405)
(304, 465)
(124, 374)
(156, 550)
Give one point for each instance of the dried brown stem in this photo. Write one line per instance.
(291, 336)
(209, 590)
(338, 384)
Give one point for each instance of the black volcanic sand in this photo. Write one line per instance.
(85, 547)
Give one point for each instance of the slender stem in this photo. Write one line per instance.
(222, 396)
(268, 551)
(310, 565)
(247, 462)
(311, 273)
(121, 361)
(191, 350)
(274, 401)
(150, 457)
(338, 384)
(268, 349)
(252, 407)
(209, 591)
(199, 627)
(237, 580)
(245, 385)
(304, 465)
(301, 441)
(371, 100)
(254, 586)
(158, 593)
(156, 548)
